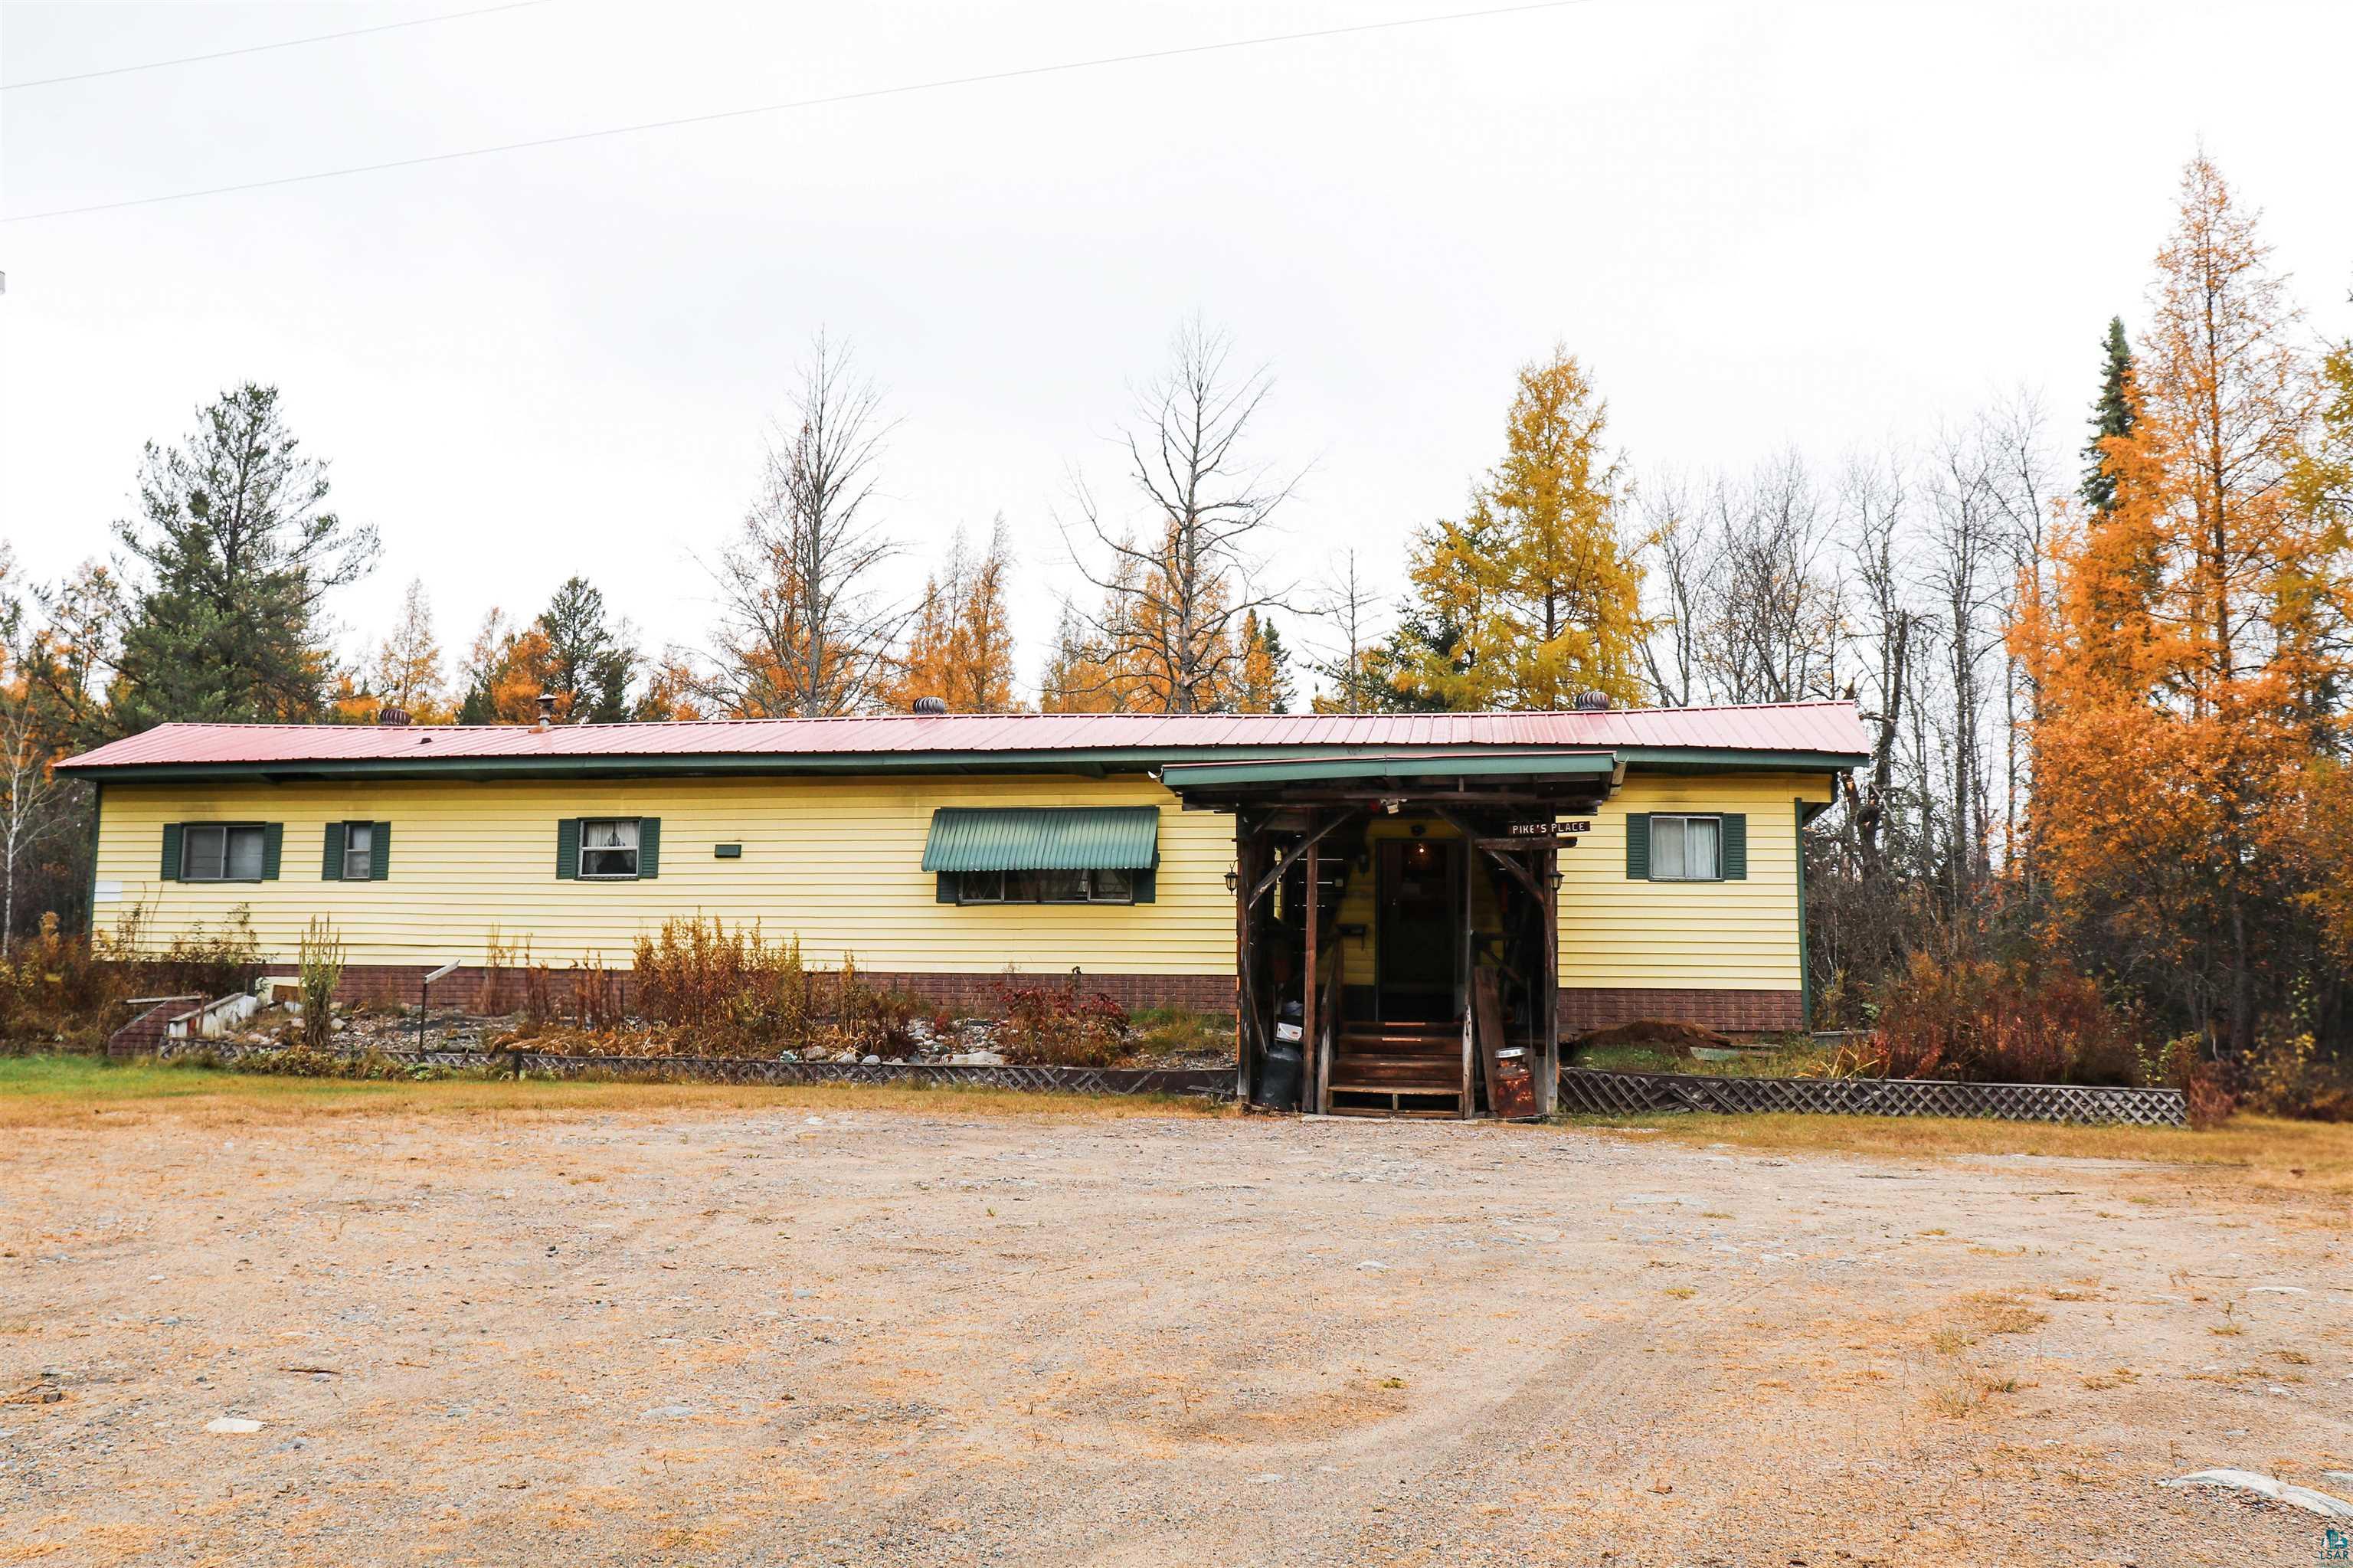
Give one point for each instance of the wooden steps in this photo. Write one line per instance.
(1398, 1069)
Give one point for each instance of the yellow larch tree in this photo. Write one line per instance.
(1534, 598)
(2188, 633)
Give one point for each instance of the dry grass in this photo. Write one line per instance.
(2299, 1158)
(1988, 1312)
(68, 1091)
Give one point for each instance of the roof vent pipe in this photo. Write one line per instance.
(1593, 702)
(392, 713)
(927, 705)
(546, 709)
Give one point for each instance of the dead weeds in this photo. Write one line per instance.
(82, 1091)
(2305, 1164)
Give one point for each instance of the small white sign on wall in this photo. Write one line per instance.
(106, 893)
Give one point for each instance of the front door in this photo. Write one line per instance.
(1418, 921)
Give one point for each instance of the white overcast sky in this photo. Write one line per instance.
(1759, 224)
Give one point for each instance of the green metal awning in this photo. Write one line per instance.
(1043, 838)
(1486, 762)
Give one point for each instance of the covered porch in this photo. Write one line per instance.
(1397, 925)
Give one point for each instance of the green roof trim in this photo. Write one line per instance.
(1486, 762)
(1043, 838)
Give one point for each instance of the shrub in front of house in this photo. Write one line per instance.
(1060, 1026)
(1988, 1022)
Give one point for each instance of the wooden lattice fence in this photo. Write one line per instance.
(1589, 1090)
(1214, 1082)
(1582, 1089)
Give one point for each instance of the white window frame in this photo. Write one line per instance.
(626, 830)
(188, 835)
(359, 839)
(1683, 821)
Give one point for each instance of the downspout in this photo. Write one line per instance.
(1804, 961)
(97, 808)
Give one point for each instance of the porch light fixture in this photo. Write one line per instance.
(1233, 880)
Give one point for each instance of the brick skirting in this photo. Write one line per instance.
(463, 987)
(1727, 1012)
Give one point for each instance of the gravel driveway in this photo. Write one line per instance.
(775, 1337)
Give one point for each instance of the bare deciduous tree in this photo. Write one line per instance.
(1179, 579)
(1675, 557)
(1347, 603)
(802, 630)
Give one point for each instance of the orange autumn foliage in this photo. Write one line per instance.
(2188, 638)
(960, 648)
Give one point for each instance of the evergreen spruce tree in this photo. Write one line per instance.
(589, 660)
(241, 550)
(1276, 660)
(2112, 419)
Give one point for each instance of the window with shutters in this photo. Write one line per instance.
(222, 852)
(1686, 848)
(359, 851)
(608, 847)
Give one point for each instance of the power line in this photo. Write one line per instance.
(264, 48)
(900, 91)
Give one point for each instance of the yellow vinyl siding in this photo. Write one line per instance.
(1688, 935)
(837, 862)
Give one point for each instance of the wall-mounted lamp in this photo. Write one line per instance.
(1233, 880)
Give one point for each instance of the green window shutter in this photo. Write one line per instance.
(171, 852)
(946, 891)
(273, 841)
(1638, 845)
(1142, 883)
(379, 851)
(567, 848)
(649, 848)
(330, 869)
(1735, 846)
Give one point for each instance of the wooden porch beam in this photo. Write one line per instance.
(1291, 856)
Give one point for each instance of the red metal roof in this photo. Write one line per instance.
(1831, 729)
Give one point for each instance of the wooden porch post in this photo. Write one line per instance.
(1245, 1023)
(1549, 1080)
(1318, 1071)
(1467, 852)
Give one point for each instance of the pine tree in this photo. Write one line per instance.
(2112, 419)
(590, 659)
(239, 551)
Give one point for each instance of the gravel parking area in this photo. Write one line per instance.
(782, 1337)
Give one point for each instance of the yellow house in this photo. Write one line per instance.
(1591, 866)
